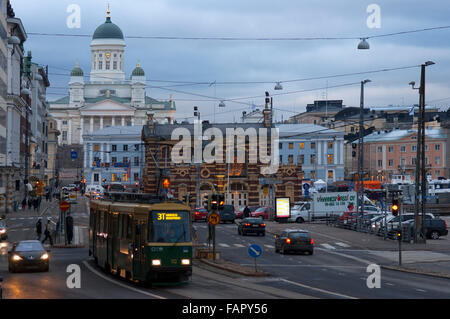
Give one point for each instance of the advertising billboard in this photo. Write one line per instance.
(282, 207)
(336, 202)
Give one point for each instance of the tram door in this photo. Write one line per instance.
(139, 249)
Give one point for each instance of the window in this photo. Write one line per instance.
(96, 178)
(391, 162)
(280, 146)
(330, 158)
(414, 148)
(124, 177)
(380, 163)
(125, 147)
(330, 174)
(380, 149)
(115, 65)
(437, 147)
(136, 161)
(403, 162)
(312, 174)
(136, 147)
(313, 158)
(438, 172)
(96, 147)
(291, 146)
(403, 148)
(281, 159)
(64, 122)
(301, 159)
(125, 160)
(100, 65)
(64, 135)
(113, 160)
(313, 145)
(437, 160)
(330, 145)
(426, 147)
(390, 149)
(136, 177)
(114, 177)
(114, 148)
(413, 161)
(291, 159)
(302, 145)
(107, 65)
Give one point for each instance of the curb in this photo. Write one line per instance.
(67, 246)
(237, 271)
(415, 271)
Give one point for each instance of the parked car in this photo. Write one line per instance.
(347, 218)
(251, 225)
(90, 189)
(294, 240)
(394, 223)
(199, 213)
(227, 214)
(264, 212)
(3, 230)
(435, 227)
(240, 212)
(28, 255)
(116, 187)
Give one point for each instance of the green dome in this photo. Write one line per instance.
(108, 30)
(138, 71)
(77, 71)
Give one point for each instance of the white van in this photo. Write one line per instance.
(300, 212)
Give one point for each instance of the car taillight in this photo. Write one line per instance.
(312, 241)
(263, 225)
(197, 213)
(445, 224)
(247, 224)
(288, 240)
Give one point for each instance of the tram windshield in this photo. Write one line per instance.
(169, 227)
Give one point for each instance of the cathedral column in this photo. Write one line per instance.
(101, 122)
(69, 133)
(132, 121)
(92, 124)
(123, 121)
(113, 121)
(81, 129)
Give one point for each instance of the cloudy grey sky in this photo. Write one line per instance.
(254, 61)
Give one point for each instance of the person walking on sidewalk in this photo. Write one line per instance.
(39, 228)
(48, 233)
(69, 228)
(24, 204)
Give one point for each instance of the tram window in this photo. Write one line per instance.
(120, 226)
(129, 229)
(124, 225)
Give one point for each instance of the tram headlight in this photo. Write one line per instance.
(156, 262)
(185, 262)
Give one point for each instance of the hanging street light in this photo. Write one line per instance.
(222, 104)
(363, 45)
(278, 86)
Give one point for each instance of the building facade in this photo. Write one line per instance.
(318, 150)
(389, 153)
(114, 154)
(106, 97)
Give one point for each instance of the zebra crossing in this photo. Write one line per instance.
(326, 246)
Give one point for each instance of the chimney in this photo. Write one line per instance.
(267, 113)
(151, 122)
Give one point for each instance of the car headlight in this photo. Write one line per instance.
(156, 262)
(44, 256)
(185, 262)
(17, 258)
(2, 231)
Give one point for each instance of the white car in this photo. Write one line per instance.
(300, 212)
(94, 190)
(70, 188)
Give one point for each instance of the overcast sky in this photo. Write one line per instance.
(268, 61)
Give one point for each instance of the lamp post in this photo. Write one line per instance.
(361, 153)
(420, 157)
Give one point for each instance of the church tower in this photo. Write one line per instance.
(108, 51)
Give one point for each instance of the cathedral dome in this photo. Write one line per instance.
(108, 30)
(77, 71)
(138, 71)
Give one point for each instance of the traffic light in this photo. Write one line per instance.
(399, 235)
(221, 199)
(166, 183)
(206, 202)
(395, 207)
(214, 203)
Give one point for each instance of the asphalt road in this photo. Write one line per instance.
(329, 273)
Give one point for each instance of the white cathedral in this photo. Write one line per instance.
(108, 98)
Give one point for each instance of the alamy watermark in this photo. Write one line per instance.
(374, 279)
(73, 21)
(374, 19)
(74, 279)
(213, 152)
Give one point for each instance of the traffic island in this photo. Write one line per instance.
(235, 268)
(206, 253)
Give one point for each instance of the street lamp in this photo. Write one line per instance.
(363, 45)
(361, 151)
(420, 155)
(222, 104)
(278, 86)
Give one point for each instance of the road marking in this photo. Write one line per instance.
(119, 283)
(318, 289)
(420, 290)
(224, 245)
(388, 283)
(328, 246)
(239, 245)
(342, 245)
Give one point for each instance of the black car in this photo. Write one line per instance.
(227, 214)
(294, 240)
(28, 255)
(3, 231)
(252, 225)
(435, 228)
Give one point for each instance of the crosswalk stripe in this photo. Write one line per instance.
(224, 245)
(239, 245)
(327, 246)
(342, 245)
(269, 246)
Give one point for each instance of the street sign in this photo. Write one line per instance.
(73, 154)
(282, 207)
(255, 251)
(64, 206)
(214, 219)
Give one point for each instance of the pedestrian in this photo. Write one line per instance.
(39, 199)
(35, 203)
(246, 212)
(47, 195)
(39, 228)
(69, 228)
(30, 203)
(48, 233)
(24, 204)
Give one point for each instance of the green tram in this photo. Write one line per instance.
(141, 238)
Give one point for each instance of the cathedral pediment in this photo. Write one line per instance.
(107, 107)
